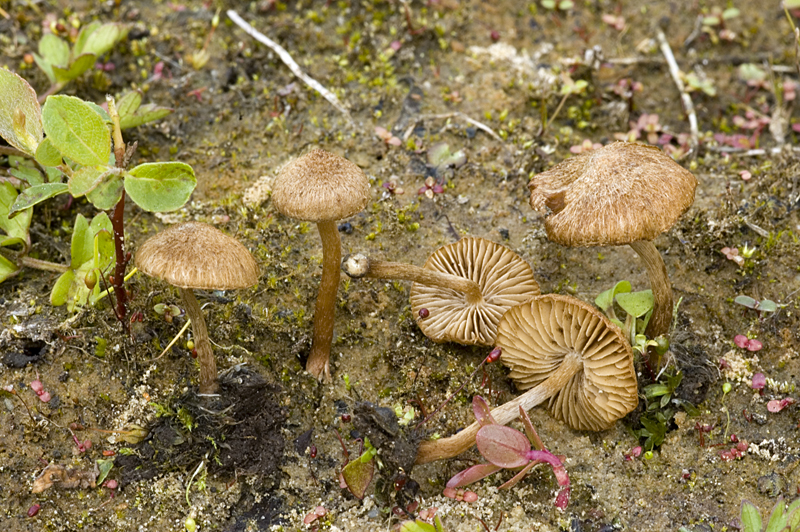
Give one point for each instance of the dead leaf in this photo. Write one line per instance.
(65, 478)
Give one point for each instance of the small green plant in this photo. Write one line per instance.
(661, 403)
(62, 65)
(78, 140)
(765, 305)
(782, 519)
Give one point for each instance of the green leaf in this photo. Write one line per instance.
(76, 130)
(132, 113)
(767, 305)
(357, 475)
(105, 468)
(81, 247)
(747, 301)
(28, 174)
(160, 187)
(652, 391)
(20, 113)
(107, 193)
(54, 50)
(37, 194)
(129, 103)
(15, 228)
(58, 295)
(7, 269)
(78, 66)
(85, 180)
(83, 36)
(606, 299)
(146, 113)
(47, 154)
(750, 517)
(45, 66)
(104, 38)
(777, 519)
(730, 13)
(636, 304)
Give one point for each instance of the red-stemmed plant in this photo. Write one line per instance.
(507, 448)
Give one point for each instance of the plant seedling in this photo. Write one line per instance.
(782, 518)
(507, 448)
(765, 305)
(73, 138)
(61, 65)
(747, 343)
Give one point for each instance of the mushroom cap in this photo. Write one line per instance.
(615, 195)
(320, 186)
(197, 255)
(535, 337)
(503, 277)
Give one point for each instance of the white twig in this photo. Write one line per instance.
(688, 106)
(753, 153)
(289, 62)
(457, 114)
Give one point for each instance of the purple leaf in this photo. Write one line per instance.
(472, 474)
(357, 475)
(482, 411)
(504, 446)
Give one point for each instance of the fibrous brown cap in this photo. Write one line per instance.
(536, 336)
(196, 255)
(615, 195)
(503, 277)
(320, 186)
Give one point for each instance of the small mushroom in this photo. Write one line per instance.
(623, 193)
(322, 187)
(566, 351)
(465, 288)
(195, 255)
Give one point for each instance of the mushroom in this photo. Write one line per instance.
(566, 351)
(322, 187)
(623, 193)
(195, 255)
(465, 288)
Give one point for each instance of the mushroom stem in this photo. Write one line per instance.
(205, 356)
(318, 363)
(359, 266)
(430, 451)
(659, 283)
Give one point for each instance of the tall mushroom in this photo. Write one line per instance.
(566, 351)
(322, 187)
(465, 288)
(195, 255)
(623, 193)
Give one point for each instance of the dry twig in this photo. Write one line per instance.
(688, 106)
(457, 114)
(289, 62)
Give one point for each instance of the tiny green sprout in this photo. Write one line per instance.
(190, 524)
(748, 251)
(346, 379)
(648, 455)
(726, 389)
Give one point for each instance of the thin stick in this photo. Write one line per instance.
(457, 114)
(753, 153)
(180, 333)
(675, 72)
(289, 62)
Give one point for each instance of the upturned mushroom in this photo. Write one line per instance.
(623, 193)
(464, 288)
(322, 187)
(191, 256)
(566, 352)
